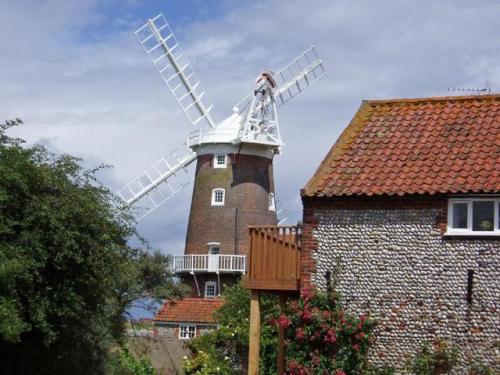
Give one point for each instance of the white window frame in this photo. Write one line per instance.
(272, 202)
(468, 231)
(216, 161)
(208, 284)
(213, 245)
(185, 331)
(214, 192)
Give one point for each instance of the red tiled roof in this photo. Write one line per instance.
(192, 310)
(415, 146)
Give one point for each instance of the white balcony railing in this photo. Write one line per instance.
(209, 263)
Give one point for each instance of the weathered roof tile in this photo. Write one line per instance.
(189, 310)
(408, 146)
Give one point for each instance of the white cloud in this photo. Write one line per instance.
(93, 93)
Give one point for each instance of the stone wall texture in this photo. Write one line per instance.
(397, 265)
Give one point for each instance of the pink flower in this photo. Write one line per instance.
(362, 317)
(306, 293)
(283, 321)
(356, 347)
(340, 372)
(306, 316)
(330, 337)
(299, 334)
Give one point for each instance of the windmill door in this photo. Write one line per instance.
(213, 259)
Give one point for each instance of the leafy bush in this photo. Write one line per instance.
(124, 363)
(439, 359)
(321, 338)
(206, 364)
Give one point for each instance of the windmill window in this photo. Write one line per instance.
(220, 161)
(477, 216)
(218, 197)
(210, 289)
(187, 331)
(214, 249)
(272, 203)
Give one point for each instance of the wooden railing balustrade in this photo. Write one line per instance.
(274, 258)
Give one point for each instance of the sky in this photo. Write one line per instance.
(75, 73)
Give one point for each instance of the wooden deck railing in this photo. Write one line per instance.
(274, 258)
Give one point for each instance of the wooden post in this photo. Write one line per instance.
(253, 350)
(281, 341)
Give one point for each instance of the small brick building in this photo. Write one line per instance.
(407, 201)
(187, 318)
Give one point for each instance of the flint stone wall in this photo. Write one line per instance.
(397, 266)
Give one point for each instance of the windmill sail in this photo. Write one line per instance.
(160, 44)
(294, 78)
(158, 183)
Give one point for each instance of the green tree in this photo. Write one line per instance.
(155, 278)
(66, 271)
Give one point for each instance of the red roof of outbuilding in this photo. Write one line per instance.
(189, 310)
(415, 146)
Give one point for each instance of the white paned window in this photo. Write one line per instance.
(218, 197)
(272, 204)
(214, 249)
(187, 331)
(210, 289)
(220, 161)
(474, 216)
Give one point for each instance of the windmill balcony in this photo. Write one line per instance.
(197, 137)
(209, 263)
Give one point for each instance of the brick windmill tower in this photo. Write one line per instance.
(233, 182)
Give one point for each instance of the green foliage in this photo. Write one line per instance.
(124, 363)
(66, 272)
(154, 279)
(227, 347)
(439, 359)
(322, 337)
(373, 370)
(311, 348)
(206, 364)
(479, 368)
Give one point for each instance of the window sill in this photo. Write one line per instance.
(472, 234)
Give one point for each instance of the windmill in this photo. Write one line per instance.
(233, 182)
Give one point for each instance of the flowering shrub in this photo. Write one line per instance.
(321, 338)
